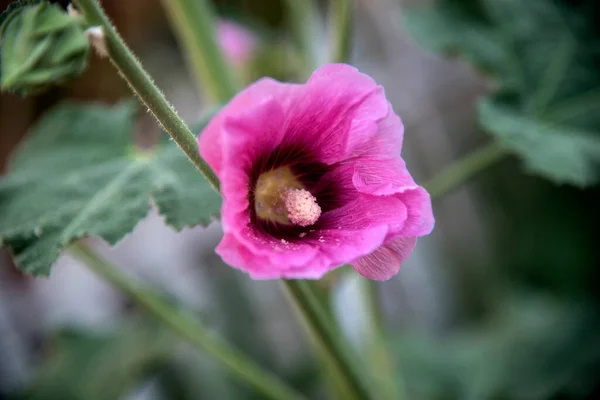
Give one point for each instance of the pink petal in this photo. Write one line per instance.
(279, 252)
(339, 177)
(323, 250)
(366, 212)
(267, 258)
(387, 143)
(420, 220)
(384, 262)
(245, 137)
(382, 177)
(391, 178)
(337, 111)
(260, 266)
(341, 246)
(210, 140)
(254, 132)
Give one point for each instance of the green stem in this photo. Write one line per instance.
(302, 17)
(465, 168)
(327, 336)
(450, 178)
(187, 327)
(144, 87)
(192, 21)
(342, 13)
(389, 383)
(141, 83)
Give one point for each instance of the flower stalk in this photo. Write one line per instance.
(143, 86)
(192, 21)
(449, 179)
(324, 331)
(465, 168)
(184, 325)
(141, 83)
(342, 13)
(302, 17)
(390, 383)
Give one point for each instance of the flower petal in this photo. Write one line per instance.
(210, 140)
(382, 177)
(391, 178)
(420, 220)
(342, 246)
(387, 142)
(337, 110)
(277, 262)
(384, 262)
(366, 212)
(245, 137)
(280, 252)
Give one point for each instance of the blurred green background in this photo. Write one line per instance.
(499, 303)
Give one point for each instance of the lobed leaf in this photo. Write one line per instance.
(79, 174)
(545, 58)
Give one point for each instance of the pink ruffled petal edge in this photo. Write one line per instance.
(420, 220)
(384, 263)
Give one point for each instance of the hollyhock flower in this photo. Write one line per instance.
(237, 43)
(312, 178)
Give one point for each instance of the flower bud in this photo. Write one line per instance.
(40, 45)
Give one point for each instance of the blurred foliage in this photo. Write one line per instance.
(274, 59)
(549, 243)
(79, 173)
(535, 334)
(83, 365)
(544, 56)
(531, 348)
(40, 46)
(538, 337)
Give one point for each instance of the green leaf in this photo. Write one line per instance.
(79, 174)
(544, 56)
(562, 153)
(100, 366)
(40, 45)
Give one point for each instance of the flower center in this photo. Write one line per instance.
(279, 197)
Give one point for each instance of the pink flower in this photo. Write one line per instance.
(237, 43)
(312, 178)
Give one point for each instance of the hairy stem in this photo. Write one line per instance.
(192, 21)
(329, 339)
(144, 87)
(142, 84)
(187, 327)
(465, 168)
(342, 14)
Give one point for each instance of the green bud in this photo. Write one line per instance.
(40, 45)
